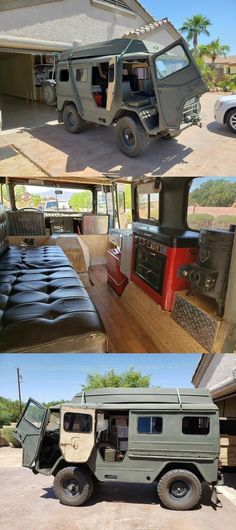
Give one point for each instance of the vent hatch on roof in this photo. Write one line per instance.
(115, 3)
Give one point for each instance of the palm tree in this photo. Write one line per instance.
(195, 26)
(214, 49)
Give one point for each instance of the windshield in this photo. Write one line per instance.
(170, 62)
(47, 198)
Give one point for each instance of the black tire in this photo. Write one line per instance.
(72, 486)
(231, 120)
(48, 91)
(131, 137)
(179, 489)
(73, 123)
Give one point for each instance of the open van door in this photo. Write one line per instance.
(77, 433)
(176, 80)
(30, 429)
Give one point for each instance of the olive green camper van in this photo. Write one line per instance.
(147, 435)
(145, 89)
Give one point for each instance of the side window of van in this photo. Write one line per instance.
(81, 75)
(149, 425)
(64, 75)
(195, 425)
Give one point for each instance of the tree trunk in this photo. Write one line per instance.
(195, 41)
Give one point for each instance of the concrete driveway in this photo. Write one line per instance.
(33, 132)
(28, 501)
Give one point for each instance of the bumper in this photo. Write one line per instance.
(219, 115)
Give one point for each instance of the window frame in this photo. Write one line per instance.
(196, 418)
(148, 219)
(78, 431)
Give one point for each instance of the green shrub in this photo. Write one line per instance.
(7, 435)
(228, 82)
(200, 220)
(5, 417)
(223, 221)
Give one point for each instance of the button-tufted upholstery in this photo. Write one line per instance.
(44, 306)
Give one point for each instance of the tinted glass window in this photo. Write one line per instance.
(195, 425)
(64, 75)
(211, 203)
(81, 75)
(151, 425)
(75, 422)
(34, 415)
(171, 61)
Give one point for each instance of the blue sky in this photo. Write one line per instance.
(221, 14)
(54, 377)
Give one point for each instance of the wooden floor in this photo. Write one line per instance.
(124, 333)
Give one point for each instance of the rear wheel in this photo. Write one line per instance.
(231, 120)
(179, 489)
(73, 123)
(131, 137)
(48, 90)
(72, 486)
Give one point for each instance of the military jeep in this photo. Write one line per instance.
(146, 91)
(135, 435)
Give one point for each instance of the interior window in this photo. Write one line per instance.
(65, 200)
(81, 75)
(76, 422)
(101, 202)
(121, 201)
(171, 61)
(148, 206)
(195, 425)
(142, 72)
(64, 75)
(151, 425)
(211, 203)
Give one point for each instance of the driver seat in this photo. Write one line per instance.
(133, 100)
(25, 223)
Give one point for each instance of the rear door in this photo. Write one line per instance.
(30, 430)
(77, 433)
(176, 79)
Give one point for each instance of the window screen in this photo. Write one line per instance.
(195, 425)
(76, 422)
(149, 425)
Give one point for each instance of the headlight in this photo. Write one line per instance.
(218, 104)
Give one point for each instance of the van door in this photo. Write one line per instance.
(77, 433)
(30, 429)
(111, 82)
(176, 79)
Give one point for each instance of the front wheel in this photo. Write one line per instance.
(179, 489)
(131, 137)
(73, 123)
(72, 486)
(231, 120)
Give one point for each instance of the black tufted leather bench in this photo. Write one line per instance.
(44, 306)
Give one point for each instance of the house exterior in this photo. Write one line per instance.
(218, 373)
(31, 30)
(223, 65)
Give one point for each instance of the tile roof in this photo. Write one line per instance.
(231, 59)
(149, 27)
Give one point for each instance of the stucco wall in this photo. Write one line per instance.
(219, 371)
(66, 21)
